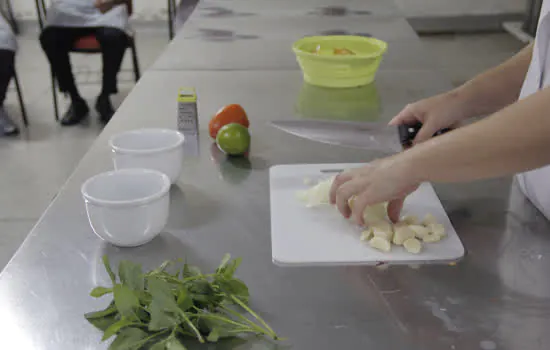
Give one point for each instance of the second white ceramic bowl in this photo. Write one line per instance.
(157, 149)
(127, 207)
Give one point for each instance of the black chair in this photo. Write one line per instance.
(171, 16)
(20, 98)
(85, 45)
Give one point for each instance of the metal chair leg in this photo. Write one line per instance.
(171, 19)
(54, 95)
(137, 71)
(20, 97)
(12, 20)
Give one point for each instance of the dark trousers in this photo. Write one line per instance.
(58, 41)
(7, 66)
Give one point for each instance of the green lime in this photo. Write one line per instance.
(233, 139)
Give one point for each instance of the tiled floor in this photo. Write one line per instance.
(34, 166)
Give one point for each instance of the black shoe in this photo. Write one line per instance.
(104, 108)
(77, 112)
(7, 126)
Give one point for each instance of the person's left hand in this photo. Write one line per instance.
(104, 6)
(383, 180)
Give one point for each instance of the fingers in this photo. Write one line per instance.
(394, 209)
(361, 203)
(345, 192)
(426, 132)
(406, 116)
(338, 181)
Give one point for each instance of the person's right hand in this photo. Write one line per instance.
(435, 113)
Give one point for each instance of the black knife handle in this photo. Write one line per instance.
(407, 133)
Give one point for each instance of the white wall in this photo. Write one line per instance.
(143, 9)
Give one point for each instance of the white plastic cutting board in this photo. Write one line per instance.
(302, 236)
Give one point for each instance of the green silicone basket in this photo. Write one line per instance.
(339, 71)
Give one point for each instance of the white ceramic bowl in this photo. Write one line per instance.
(157, 149)
(127, 207)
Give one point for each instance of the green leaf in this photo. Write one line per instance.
(162, 294)
(160, 319)
(214, 335)
(174, 344)
(129, 339)
(107, 265)
(231, 268)
(235, 287)
(111, 309)
(159, 346)
(105, 322)
(131, 275)
(144, 297)
(105, 318)
(190, 271)
(100, 291)
(224, 262)
(185, 302)
(126, 301)
(116, 327)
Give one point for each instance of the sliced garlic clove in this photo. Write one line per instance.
(429, 219)
(366, 235)
(413, 246)
(431, 238)
(382, 229)
(420, 231)
(437, 229)
(410, 220)
(380, 243)
(402, 233)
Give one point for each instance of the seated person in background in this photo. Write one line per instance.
(7, 61)
(70, 20)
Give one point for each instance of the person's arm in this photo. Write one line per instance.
(481, 96)
(498, 87)
(515, 139)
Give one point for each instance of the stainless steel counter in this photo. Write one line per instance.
(252, 43)
(497, 298)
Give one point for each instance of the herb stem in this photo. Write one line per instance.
(195, 330)
(250, 311)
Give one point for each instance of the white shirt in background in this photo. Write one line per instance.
(82, 13)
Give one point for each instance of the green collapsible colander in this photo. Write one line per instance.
(321, 67)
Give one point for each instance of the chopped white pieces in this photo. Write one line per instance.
(413, 245)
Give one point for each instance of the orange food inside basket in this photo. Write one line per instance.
(343, 51)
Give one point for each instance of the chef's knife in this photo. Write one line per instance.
(365, 135)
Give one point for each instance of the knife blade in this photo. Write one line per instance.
(364, 135)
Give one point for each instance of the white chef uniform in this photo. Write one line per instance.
(82, 13)
(7, 38)
(535, 184)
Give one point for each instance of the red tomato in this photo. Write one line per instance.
(233, 113)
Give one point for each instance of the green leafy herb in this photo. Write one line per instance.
(155, 310)
(116, 327)
(107, 265)
(100, 291)
(126, 301)
(131, 275)
(129, 339)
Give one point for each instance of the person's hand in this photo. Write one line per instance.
(105, 6)
(388, 179)
(435, 113)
